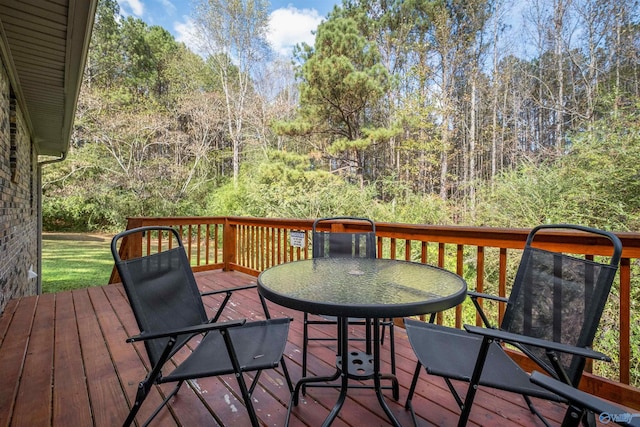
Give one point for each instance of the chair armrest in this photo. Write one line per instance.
(537, 342)
(474, 298)
(190, 330)
(227, 297)
(473, 294)
(223, 291)
(580, 398)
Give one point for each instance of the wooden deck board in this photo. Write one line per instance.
(70, 396)
(32, 404)
(65, 362)
(13, 355)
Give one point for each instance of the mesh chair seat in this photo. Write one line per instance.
(258, 345)
(429, 340)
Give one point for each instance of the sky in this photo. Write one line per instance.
(291, 21)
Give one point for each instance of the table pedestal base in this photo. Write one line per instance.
(360, 366)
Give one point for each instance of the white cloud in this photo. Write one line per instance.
(287, 27)
(184, 32)
(290, 26)
(168, 7)
(135, 7)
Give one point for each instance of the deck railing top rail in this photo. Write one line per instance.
(509, 238)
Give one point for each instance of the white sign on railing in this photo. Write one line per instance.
(296, 238)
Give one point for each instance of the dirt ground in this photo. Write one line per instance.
(84, 237)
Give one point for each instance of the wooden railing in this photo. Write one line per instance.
(485, 257)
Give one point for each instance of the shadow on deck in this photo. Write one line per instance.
(64, 361)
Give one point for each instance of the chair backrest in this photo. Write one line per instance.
(161, 288)
(558, 297)
(336, 242)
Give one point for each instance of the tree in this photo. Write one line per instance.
(233, 34)
(185, 73)
(342, 84)
(453, 37)
(104, 54)
(162, 48)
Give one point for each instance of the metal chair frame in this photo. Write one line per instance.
(479, 357)
(165, 281)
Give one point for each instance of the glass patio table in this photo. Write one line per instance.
(363, 288)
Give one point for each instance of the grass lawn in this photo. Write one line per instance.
(73, 261)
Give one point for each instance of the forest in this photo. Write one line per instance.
(415, 111)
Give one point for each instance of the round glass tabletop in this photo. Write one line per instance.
(362, 287)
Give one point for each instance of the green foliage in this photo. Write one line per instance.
(127, 57)
(299, 127)
(602, 168)
(104, 59)
(596, 183)
(525, 197)
(343, 84)
(369, 137)
(286, 186)
(120, 165)
(416, 209)
(342, 78)
(186, 73)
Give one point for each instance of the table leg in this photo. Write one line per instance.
(306, 380)
(378, 376)
(343, 343)
(343, 350)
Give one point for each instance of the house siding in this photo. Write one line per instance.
(19, 199)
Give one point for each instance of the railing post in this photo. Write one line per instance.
(129, 248)
(625, 321)
(229, 245)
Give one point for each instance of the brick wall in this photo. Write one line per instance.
(19, 197)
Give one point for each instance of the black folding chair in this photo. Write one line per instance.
(551, 316)
(329, 239)
(170, 314)
(581, 402)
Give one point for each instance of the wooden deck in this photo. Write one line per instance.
(65, 362)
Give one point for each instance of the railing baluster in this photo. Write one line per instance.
(216, 227)
(189, 240)
(459, 272)
(441, 248)
(480, 279)
(502, 282)
(148, 243)
(279, 255)
(393, 248)
(252, 247)
(207, 241)
(198, 243)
